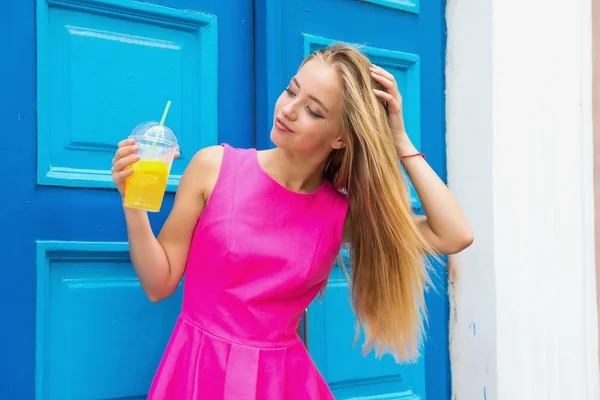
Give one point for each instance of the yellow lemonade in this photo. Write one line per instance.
(145, 188)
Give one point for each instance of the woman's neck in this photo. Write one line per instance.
(294, 173)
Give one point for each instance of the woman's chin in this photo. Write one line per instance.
(277, 138)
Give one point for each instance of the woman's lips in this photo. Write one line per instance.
(279, 124)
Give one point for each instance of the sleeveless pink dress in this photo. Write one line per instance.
(259, 255)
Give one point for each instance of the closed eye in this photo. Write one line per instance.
(310, 112)
(313, 114)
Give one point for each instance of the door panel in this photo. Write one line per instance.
(407, 39)
(104, 67)
(97, 336)
(85, 73)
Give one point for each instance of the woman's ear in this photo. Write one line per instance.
(339, 143)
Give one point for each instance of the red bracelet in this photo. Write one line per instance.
(413, 155)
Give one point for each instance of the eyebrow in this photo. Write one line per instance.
(319, 102)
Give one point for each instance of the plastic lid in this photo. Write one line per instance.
(153, 131)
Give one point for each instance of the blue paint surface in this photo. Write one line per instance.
(404, 5)
(93, 325)
(65, 107)
(91, 214)
(104, 67)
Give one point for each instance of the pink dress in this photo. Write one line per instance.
(259, 255)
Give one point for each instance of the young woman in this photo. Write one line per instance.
(257, 234)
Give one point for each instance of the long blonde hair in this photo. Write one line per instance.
(387, 252)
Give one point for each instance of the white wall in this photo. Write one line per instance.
(596, 121)
(519, 134)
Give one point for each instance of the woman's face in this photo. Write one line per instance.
(308, 114)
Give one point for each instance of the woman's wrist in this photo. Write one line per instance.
(133, 212)
(404, 147)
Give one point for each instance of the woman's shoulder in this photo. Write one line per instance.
(207, 159)
(203, 169)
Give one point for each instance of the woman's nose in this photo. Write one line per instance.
(289, 111)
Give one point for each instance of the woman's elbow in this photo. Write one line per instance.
(462, 241)
(154, 298)
(158, 295)
(457, 243)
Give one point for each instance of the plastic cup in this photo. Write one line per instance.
(145, 188)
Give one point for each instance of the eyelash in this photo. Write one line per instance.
(311, 112)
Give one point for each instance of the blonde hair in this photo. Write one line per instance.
(389, 272)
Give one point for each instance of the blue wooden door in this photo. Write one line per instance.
(75, 323)
(407, 38)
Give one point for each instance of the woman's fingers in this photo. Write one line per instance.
(389, 85)
(125, 151)
(383, 72)
(126, 142)
(392, 103)
(384, 95)
(124, 162)
(121, 176)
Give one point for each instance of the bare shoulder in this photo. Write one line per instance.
(205, 166)
(208, 158)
